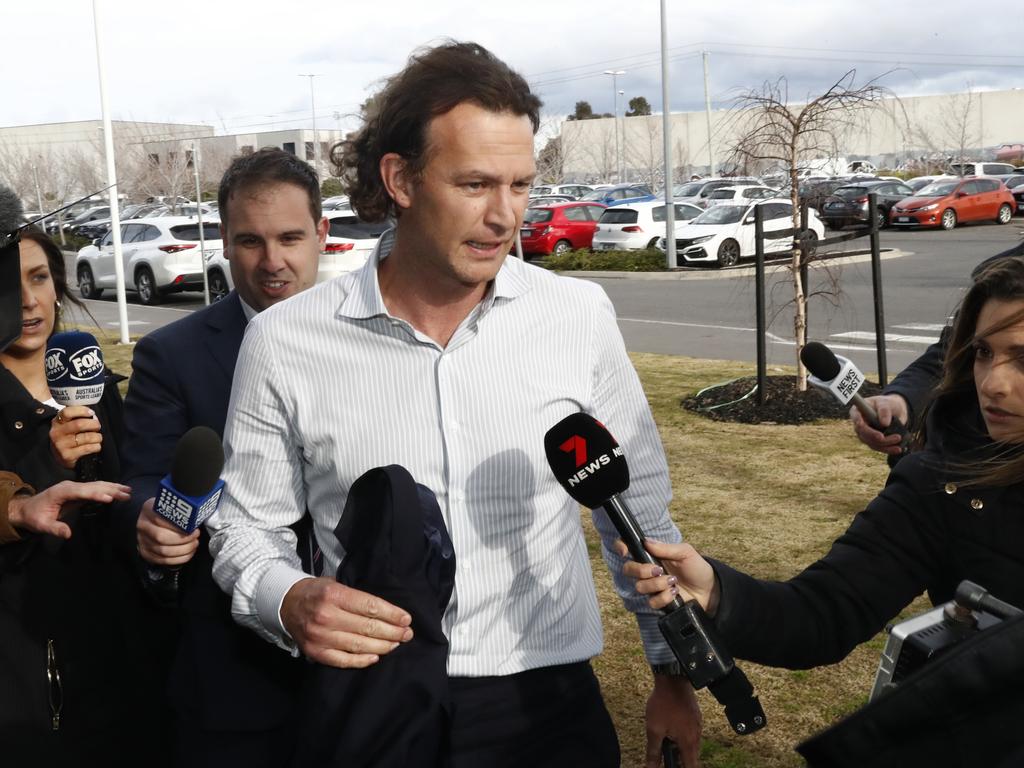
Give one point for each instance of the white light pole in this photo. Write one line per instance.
(666, 130)
(115, 213)
(615, 115)
(312, 107)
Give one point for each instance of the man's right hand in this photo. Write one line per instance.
(340, 626)
(161, 542)
(888, 407)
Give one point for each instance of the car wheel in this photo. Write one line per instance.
(948, 220)
(653, 243)
(1004, 215)
(729, 253)
(562, 246)
(145, 284)
(87, 284)
(218, 286)
(880, 218)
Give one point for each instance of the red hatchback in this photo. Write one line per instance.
(946, 203)
(559, 228)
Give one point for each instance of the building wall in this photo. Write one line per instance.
(899, 129)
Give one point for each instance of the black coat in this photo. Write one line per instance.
(923, 531)
(223, 677)
(75, 599)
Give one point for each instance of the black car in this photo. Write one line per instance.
(849, 204)
(816, 191)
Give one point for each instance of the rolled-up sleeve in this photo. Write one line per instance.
(253, 547)
(621, 405)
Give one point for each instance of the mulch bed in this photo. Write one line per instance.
(783, 402)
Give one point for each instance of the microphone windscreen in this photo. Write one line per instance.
(12, 212)
(820, 360)
(198, 461)
(74, 368)
(586, 460)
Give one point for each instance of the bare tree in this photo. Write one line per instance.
(601, 153)
(771, 131)
(645, 152)
(954, 134)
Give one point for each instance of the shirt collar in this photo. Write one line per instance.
(248, 311)
(364, 300)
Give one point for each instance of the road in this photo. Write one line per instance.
(710, 313)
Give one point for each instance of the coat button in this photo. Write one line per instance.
(40, 411)
(977, 504)
(950, 488)
(19, 425)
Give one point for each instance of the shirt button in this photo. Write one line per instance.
(455, 426)
(950, 488)
(977, 504)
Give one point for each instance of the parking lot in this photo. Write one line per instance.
(710, 313)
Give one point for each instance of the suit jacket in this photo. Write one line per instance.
(223, 677)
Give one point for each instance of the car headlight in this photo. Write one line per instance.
(929, 207)
(703, 239)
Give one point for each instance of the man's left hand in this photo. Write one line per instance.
(673, 713)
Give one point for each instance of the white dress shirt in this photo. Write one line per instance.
(328, 385)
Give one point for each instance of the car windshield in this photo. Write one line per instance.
(937, 189)
(597, 194)
(191, 231)
(688, 190)
(537, 215)
(618, 216)
(721, 214)
(1015, 181)
(722, 194)
(355, 228)
(850, 193)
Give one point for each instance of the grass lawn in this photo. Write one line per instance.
(767, 499)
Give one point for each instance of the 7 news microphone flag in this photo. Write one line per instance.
(589, 464)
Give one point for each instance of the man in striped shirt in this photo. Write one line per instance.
(448, 358)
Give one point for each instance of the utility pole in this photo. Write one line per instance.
(615, 116)
(312, 107)
(199, 219)
(666, 134)
(707, 112)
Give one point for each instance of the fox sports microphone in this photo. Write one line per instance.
(589, 464)
(840, 377)
(75, 373)
(192, 491)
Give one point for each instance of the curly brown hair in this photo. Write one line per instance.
(435, 81)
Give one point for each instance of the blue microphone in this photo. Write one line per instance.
(75, 373)
(192, 491)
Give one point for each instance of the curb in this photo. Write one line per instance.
(854, 257)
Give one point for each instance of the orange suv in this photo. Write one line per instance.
(948, 202)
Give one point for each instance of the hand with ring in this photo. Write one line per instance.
(74, 433)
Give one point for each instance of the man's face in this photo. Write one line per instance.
(272, 242)
(459, 218)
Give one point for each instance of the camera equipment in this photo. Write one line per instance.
(916, 641)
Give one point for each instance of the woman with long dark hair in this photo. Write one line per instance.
(67, 601)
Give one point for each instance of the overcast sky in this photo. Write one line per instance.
(236, 65)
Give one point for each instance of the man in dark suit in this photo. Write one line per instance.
(230, 690)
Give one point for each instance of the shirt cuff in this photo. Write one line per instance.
(270, 592)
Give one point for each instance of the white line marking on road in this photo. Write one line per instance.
(864, 335)
(934, 327)
(116, 324)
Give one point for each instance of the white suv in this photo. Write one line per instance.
(160, 256)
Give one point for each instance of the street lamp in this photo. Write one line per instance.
(312, 107)
(615, 115)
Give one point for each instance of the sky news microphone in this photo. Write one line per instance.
(189, 495)
(840, 377)
(75, 373)
(589, 464)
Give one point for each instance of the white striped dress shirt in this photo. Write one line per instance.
(328, 385)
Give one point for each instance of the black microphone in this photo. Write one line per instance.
(10, 267)
(841, 378)
(189, 495)
(75, 373)
(589, 464)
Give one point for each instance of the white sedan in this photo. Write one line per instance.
(636, 226)
(724, 234)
